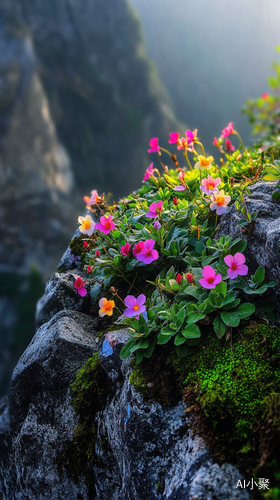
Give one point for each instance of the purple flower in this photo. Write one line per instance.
(157, 224)
(135, 306)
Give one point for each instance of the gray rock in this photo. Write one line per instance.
(150, 453)
(42, 421)
(60, 294)
(263, 248)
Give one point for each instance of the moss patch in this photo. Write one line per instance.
(232, 392)
(77, 248)
(91, 390)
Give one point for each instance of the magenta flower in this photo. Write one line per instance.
(265, 95)
(154, 147)
(209, 185)
(229, 146)
(191, 136)
(216, 142)
(147, 254)
(174, 138)
(105, 225)
(137, 248)
(210, 279)
(154, 210)
(79, 285)
(134, 306)
(149, 173)
(228, 130)
(157, 224)
(125, 249)
(236, 265)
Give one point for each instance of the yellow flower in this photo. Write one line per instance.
(106, 306)
(204, 162)
(87, 225)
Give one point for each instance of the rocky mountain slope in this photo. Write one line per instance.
(104, 94)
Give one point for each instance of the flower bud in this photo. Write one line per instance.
(190, 278)
(179, 278)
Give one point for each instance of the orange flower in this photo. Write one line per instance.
(204, 162)
(106, 306)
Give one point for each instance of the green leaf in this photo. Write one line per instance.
(180, 317)
(117, 260)
(174, 285)
(271, 177)
(116, 234)
(232, 304)
(138, 225)
(199, 247)
(193, 342)
(221, 288)
(193, 317)
(179, 339)
(219, 326)
(191, 332)
(276, 195)
(207, 260)
(230, 318)
(163, 339)
(143, 344)
(182, 350)
(139, 356)
(259, 275)
(239, 246)
(135, 219)
(126, 350)
(149, 351)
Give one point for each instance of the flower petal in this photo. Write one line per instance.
(239, 258)
(130, 301)
(229, 259)
(141, 299)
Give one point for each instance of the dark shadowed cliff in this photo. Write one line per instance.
(104, 94)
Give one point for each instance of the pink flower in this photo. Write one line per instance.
(174, 138)
(125, 249)
(134, 306)
(105, 225)
(93, 199)
(229, 146)
(154, 147)
(147, 254)
(191, 136)
(85, 244)
(181, 179)
(236, 265)
(154, 210)
(137, 248)
(157, 224)
(181, 176)
(89, 268)
(228, 130)
(265, 95)
(209, 185)
(149, 173)
(216, 142)
(220, 202)
(210, 279)
(79, 285)
(175, 200)
(97, 253)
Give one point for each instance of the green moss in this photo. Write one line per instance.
(77, 248)
(91, 390)
(233, 390)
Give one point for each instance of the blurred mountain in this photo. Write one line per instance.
(212, 57)
(79, 103)
(104, 94)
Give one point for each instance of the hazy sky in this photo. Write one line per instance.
(212, 56)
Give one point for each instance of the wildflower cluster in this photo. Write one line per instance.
(154, 264)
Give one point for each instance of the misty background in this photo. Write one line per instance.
(84, 85)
